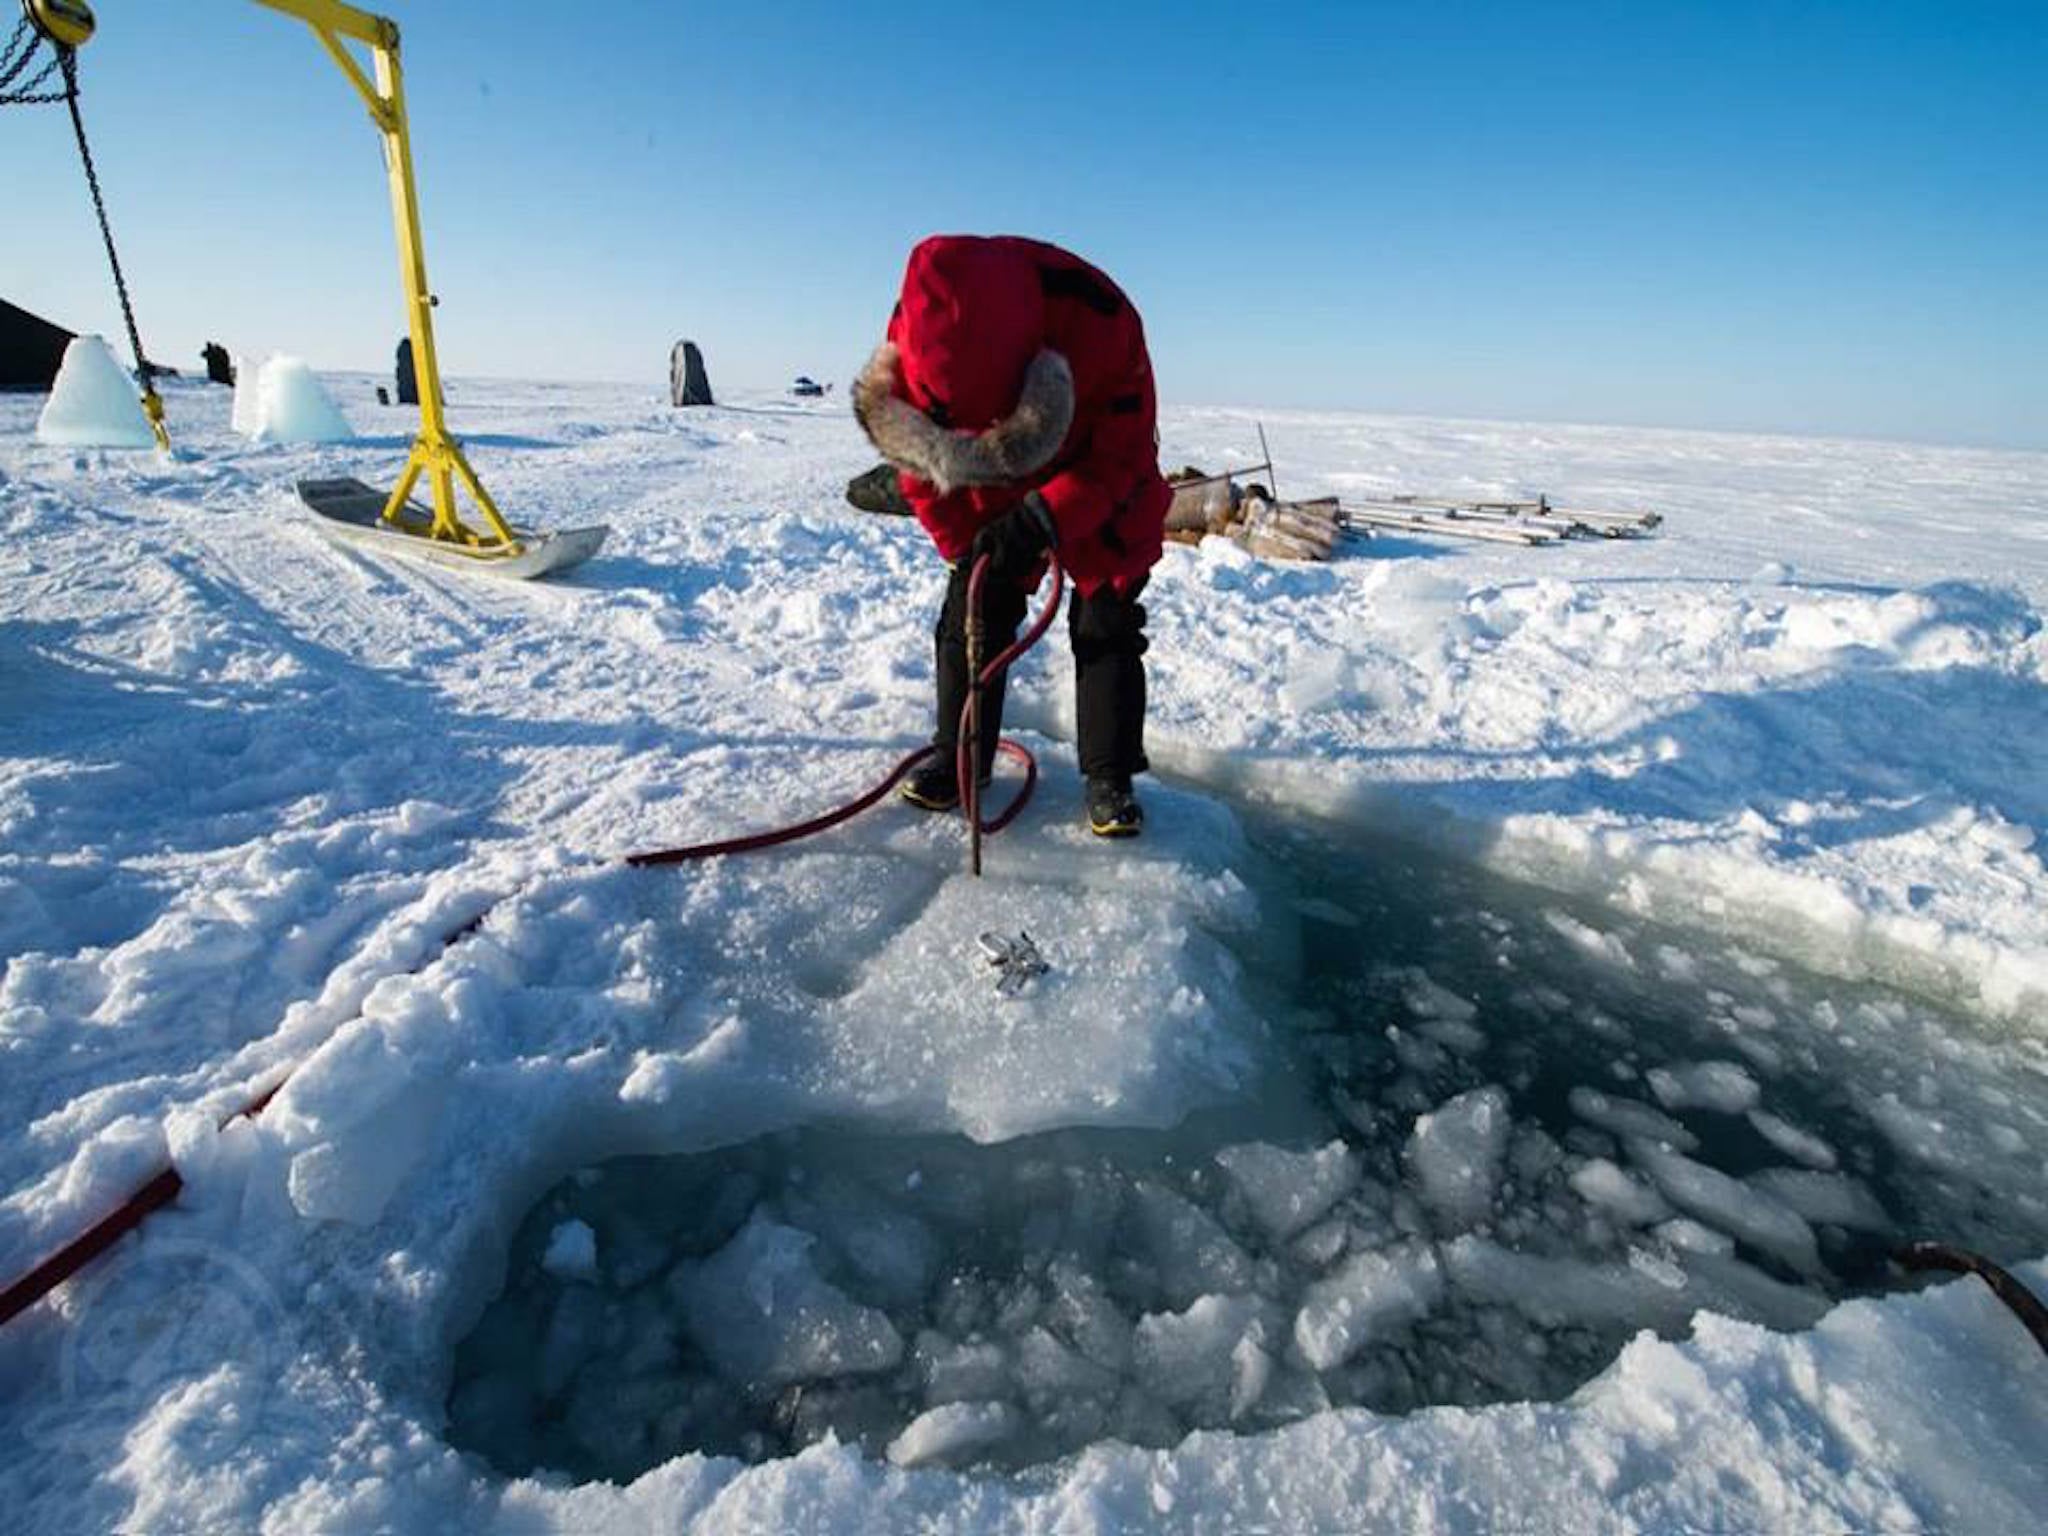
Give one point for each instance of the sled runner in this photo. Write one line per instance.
(351, 512)
(1458, 523)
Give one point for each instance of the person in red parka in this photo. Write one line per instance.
(1014, 396)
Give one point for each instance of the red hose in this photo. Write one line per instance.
(160, 1190)
(2021, 1302)
(89, 1244)
(163, 1186)
(969, 804)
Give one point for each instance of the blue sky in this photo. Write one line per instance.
(1794, 216)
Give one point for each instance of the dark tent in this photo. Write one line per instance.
(688, 383)
(30, 349)
(408, 380)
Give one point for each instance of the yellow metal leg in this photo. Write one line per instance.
(483, 499)
(434, 452)
(406, 482)
(447, 524)
(153, 408)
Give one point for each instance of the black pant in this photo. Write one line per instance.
(1107, 632)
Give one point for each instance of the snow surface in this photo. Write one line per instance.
(92, 402)
(250, 784)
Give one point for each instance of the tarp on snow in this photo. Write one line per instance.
(31, 348)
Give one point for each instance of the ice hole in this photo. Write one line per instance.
(1516, 1131)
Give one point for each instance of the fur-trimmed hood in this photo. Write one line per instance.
(1015, 447)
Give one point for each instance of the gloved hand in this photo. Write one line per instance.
(1016, 541)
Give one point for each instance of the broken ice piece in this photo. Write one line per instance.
(952, 1432)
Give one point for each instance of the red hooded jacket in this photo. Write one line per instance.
(967, 352)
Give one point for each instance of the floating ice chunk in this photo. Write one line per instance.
(1251, 1373)
(1421, 1057)
(1372, 1295)
(93, 402)
(1287, 1191)
(1683, 1232)
(1194, 1359)
(1318, 910)
(951, 1433)
(1676, 964)
(1319, 1245)
(958, 1372)
(1460, 1035)
(1079, 1311)
(1916, 1134)
(1050, 1373)
(763, 1315)
(1629, 1119)
(293, 406)
(1716, 1085)
(890, 1249)
(1590, 940)
(1191, 1253)
(1746, 1214)
(1728, 1285)
(1455, 1155)
(1619, 1193)
(1832, 1199)
(571, 1252)
(1429, 999)
(1561, 1292)
(1796, 1144)
(1667, 1272)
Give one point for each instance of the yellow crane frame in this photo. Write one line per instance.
(435, 454)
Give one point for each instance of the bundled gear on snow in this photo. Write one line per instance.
(1014, 395)
(1251, 516)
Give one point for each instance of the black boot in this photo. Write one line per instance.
(1107, 628)
(1113, 811)
(934, 785)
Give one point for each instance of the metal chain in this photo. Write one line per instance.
(16, 60)
(151, 405)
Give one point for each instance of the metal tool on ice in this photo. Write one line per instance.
(1017, 959)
